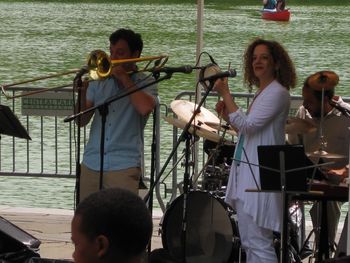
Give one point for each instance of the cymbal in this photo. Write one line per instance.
(299, 126)
(184, 110)
(222, 127)
(200, 131)
(323, 80)
(326, 155)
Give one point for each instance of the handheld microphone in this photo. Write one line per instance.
(169, 70)
(231, 73)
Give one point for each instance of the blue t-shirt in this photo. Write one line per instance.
(123, 142)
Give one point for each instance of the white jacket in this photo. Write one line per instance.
(263, 125)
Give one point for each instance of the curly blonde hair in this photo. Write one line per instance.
(285, 74)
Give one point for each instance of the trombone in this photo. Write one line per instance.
(99, 66)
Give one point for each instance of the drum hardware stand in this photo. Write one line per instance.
(213, 155)
(321, 151)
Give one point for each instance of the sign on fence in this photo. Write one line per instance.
(48, 104)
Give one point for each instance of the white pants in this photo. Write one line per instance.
(256, 241)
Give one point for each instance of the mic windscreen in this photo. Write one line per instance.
(208, 71)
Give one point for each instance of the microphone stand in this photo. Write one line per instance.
(153, 159)
(103, 110)
(77, 85)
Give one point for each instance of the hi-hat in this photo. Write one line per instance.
(222, 127)
(299, 126)
(323, 80)
(198, 130)
(326, 155)
(184, 110)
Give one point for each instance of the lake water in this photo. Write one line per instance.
(42, 38)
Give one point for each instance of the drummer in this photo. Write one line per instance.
(335, 123)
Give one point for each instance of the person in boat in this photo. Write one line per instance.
(280, 5)
(125, 120)
(335, 123)
(269, 5)
(112, 225)
(267, 66)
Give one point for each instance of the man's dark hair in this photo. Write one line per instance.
(328, 93)
(121, 216)
(133, 39)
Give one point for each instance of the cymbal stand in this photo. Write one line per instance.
(321, 151)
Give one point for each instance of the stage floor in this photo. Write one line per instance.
(52, 228)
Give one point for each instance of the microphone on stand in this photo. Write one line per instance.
(231, 73)
(213, 72)
(170, 70)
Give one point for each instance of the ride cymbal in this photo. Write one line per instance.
(299, 126)
(184, 110)
(323, 80)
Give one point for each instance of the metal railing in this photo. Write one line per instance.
(52, 150)
(49, 153)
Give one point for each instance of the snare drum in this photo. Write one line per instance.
(211, 232)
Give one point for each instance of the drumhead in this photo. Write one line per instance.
(209, 232)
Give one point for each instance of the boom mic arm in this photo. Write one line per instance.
(169, 70)
(231, 73)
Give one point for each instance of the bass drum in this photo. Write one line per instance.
(211, 233)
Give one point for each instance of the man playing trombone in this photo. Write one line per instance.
(125, 121)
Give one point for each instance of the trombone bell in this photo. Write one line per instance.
(99, 64)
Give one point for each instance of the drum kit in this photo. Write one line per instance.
(212, 232)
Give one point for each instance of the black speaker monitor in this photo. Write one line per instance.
(13, 239)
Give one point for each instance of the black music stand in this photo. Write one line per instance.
(283, 168)
(294, 156)
(10, 125)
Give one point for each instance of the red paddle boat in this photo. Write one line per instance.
(283, 15)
